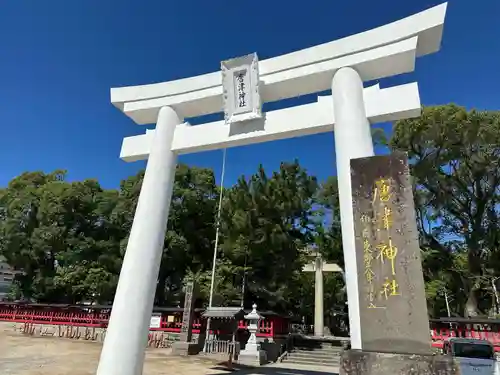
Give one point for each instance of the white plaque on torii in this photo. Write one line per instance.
(240, 82)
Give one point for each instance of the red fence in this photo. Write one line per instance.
(92, 316)
(266, 327)
(54, 317)
(482, 329)
(273, 325)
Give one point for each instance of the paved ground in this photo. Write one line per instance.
(22, 355)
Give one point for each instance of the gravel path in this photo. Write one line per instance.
(23, 355)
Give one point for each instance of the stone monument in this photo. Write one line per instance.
(395, 335)
(184, 346)
(318, 267)
(252, 354)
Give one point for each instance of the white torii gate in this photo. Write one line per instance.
(341, 65)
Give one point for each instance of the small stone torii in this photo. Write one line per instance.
(319, 266)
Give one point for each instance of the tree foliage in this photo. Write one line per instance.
(60, 235)
(455, 157)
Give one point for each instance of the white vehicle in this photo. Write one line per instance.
(475, 357)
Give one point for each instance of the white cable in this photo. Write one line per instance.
(217, 228)
(217, 231)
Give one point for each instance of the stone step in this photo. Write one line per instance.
(305, 344)
(312, 361)
(318, 355)
(320, 350)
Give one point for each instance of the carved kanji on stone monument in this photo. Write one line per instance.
(187, 316)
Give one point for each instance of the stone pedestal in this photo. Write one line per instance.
(252, 355)
(185, 348)
(357, 362)
(258, 358)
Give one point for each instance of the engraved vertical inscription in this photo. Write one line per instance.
(392, 300)
(241, 88)
(187, 315)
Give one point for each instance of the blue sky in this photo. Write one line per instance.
(58, 59)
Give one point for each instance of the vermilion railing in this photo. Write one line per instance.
(272, 326)
(54, 317)
(440, 334)
(169, 323)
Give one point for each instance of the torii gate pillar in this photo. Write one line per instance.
(127, 334)
(353, 139)
(319, 266)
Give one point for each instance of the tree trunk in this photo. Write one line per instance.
(475, 271)
(471, 308)
(160, 290)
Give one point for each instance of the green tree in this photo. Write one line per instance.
(190, 230)
(455, 156)
(266, 222)
(58, 234)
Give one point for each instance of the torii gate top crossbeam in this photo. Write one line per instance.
(381, 105)
(385, 51)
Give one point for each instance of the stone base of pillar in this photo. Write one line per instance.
(357, 362)
(252, 357)
(185, 348)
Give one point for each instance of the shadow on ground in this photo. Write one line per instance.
(272, 371)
